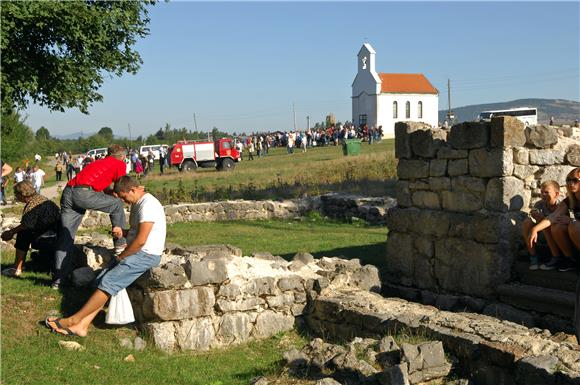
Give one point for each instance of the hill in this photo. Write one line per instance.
(563, 111)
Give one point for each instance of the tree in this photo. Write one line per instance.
(42, 134)
(57, 53)
(20, 137)
(106, 132)
(160, 134)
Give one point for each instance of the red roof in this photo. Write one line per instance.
(406, 84)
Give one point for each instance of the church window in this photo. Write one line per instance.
(395, 108)
(362, 120)
(408, 110)
(420, 110)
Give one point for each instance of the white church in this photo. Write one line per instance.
(381, 99)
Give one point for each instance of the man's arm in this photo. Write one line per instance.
(6, 169)
(139, 241)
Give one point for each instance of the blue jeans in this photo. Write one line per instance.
(118, 275)
(73, 205)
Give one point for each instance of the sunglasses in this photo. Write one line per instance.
(572, 180)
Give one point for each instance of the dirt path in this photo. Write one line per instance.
(50, 192)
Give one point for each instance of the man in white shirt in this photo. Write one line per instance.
(146, 242)
(37, 158)
(37, 176)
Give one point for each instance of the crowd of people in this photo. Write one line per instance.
(101, 185)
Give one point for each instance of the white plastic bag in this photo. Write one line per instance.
(120, 310)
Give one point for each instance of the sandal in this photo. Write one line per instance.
(56, 321)
(11, 272)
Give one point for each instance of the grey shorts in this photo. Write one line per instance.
(118, 275)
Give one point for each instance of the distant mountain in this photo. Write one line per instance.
(75, 135)
(563, 111)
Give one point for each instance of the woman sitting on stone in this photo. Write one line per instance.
(549, 193)
(565, 222)
(39, 215)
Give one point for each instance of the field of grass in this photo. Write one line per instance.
(31, 355)
(283, 175)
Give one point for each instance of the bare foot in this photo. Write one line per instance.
(63, 326)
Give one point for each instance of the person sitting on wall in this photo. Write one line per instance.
(146, 242)
(549, 192)
(39, 216)
(565, 224)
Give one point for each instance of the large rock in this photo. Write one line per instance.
(507, 131)
(506, 194)
(162, 334)
(195, 334)
(426, 143)
(269, 323)
(178, 304)
(541, 136)
(492, 163)
(546, 157)
(400, 256)
(426, 361)
(573, 155)
(166, 276)
(403, 132)
(460, 201)
(395, 375)
(438, 167)
(207, 270)
(468, 135)
(412, 169)
(426, 199)
(235, 327)
(458, 167)
(97, 257)
(446, 152)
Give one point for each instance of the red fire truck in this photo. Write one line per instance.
(189, 155)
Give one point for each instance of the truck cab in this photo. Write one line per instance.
(189, 155)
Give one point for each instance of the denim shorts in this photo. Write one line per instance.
(118, 275)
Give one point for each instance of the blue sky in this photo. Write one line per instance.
(240, 66)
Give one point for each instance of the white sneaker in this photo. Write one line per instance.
(534, 267)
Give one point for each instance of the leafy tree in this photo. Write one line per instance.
(106, 133)
(42, 134)
(57, 53)
(160, 134)
(20, 137)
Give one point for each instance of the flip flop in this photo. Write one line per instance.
(56, 321)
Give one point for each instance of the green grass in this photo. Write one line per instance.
(31, 355)
(280, 175)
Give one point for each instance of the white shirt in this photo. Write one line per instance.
(37, 157)
(148, 209)
(37, 178)
(19, 176)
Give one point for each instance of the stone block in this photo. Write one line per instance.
(419, 184)
(215, 250)
(178, 304)
(423, 275)
(469, 135)
(293, 283)
(507, 131)
(195, 334)
(557, 173)
(459, 201)
(162, 334)
(203, 272)
(468, 184)
(510, 313)
(439, 183)
(458, 167)
(541, 136)
(430, 222)
(521, 155)
(437, 167)
(252, 303)
(573, 155)
(446, 152)
(97, 257)
(492, 163)
(402, 193)
(481, 270)
(412, 169)
(402, 219)
(269, 323)
(537, 370)
(426, 143)
(546, 157)
(399, 260)
(267, 256)
(394, 375)
(281, 300)
(365, 278)
(403, 132)
(426, 199)
(525, 171)
(425, 246)
(305, 258)
(506, 194)
(166, 276)
(235, 328)
(261, 286)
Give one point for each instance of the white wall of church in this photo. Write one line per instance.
(385, 110)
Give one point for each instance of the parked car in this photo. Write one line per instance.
(154, 148)
(97, 151)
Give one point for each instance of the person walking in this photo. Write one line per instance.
(58, 168)
(146, 239)
(89, 190)
(37, 177)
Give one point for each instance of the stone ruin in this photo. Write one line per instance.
(462, 195)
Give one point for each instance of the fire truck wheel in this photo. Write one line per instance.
(227, 164)
(188, 166)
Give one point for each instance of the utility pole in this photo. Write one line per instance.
(308, 123)
(130, 136)
(194, 121)
(294, 113)
(450, 116)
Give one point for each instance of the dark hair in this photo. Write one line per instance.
(125, 183)
(116, 151)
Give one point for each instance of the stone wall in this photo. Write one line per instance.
(461, 197)
(212, 296)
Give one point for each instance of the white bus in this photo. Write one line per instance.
(527, 115)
